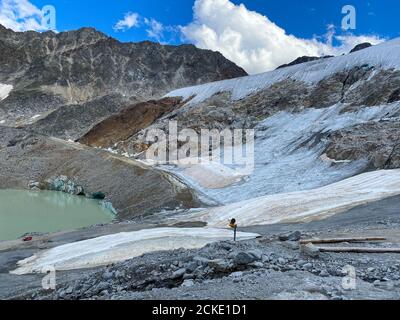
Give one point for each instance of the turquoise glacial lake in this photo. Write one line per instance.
(24, 212)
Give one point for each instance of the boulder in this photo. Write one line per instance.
(201, 261)
(310, 250)
(188, 283)
(361, 46)
(243, 258)
(178, 273)
(294, 236)
(220, 265)
(257, 254)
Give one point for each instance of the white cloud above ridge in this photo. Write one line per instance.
(246, 37)
(253, 41)
(20, 15)
(130, 20)
(155, 29)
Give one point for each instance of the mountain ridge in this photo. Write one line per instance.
(74, 67)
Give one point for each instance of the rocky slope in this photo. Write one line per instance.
(49, 70)
(133, 189)
(379, 142)
(130, 121)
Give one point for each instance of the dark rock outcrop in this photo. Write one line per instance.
(361, 46)
(303, 59)
(379, 142)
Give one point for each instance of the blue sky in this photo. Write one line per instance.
(246, 35)
(301, 18)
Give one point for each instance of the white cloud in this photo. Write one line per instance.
(20, 15)
(131, 20)
(253, 41)
(155, 29)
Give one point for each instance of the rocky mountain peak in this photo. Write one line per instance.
(303, 59)
(49, 70)
(361, 46)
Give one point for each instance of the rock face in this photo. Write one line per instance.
(132, 188)
(128, 122)
(303, 59)
(73, 121)
(361, 46)
(49, 70)
(379, 142)
(359, 87)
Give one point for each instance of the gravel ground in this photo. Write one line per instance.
(264, 268)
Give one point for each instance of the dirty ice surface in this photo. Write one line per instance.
(288, 155)
(304, 206)
(122, 246)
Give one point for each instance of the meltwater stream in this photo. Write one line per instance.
(24, 212)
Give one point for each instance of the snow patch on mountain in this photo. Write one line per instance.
(122, 246)
(305, 206)
(5, 90)
(382, 56)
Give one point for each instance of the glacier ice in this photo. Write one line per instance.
(122, 246)
(288, 155)
(5, 90)
(384, 56)
(304, 206)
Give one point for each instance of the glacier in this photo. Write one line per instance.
(383, 56)
(304, 206)
(288, 155)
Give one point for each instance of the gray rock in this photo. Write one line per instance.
(308, 266)
(292, 245)
(191, 266)
(201, 261)
(237, 274)
(102, 286)
(220, 265)
(310, 250)
(283, 237)
(120, 274)
(178, 273)
(257, 264)
(300, 263)
(256, 254)
(243, 258)
(295, 236)
(324, 273)
(69, 290)
(108, 275)
(104, 293)
(188, 276)
(188, 283)
(265, 258)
